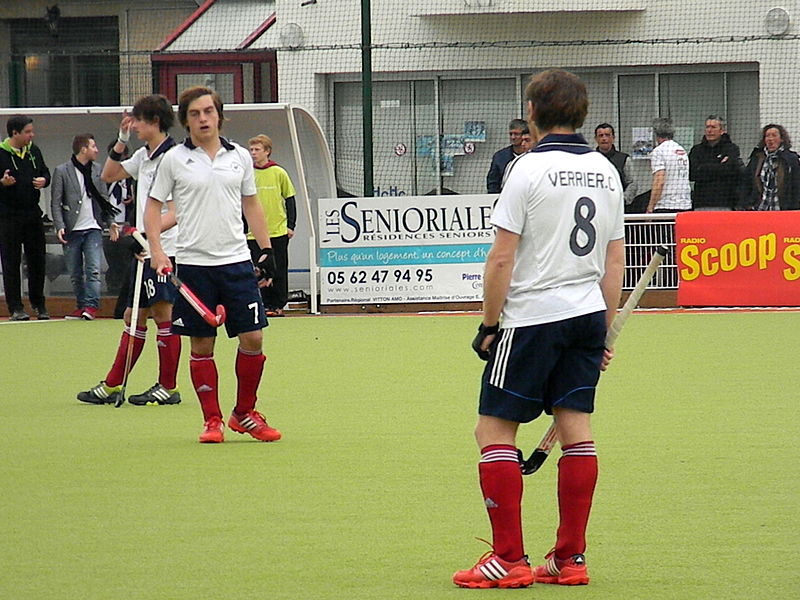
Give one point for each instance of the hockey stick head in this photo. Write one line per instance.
(215, 319)
(219, 316)
(535, 460)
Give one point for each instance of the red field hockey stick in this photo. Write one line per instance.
(214, 319)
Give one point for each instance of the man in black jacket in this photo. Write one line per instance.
(716, 168)
(494, 178)
(604, 136)
(22, 174)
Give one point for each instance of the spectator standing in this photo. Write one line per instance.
(276, 193)
(716, 168)
(80, 208)
(773, 173)
(150, 119)
(554, 274)
(669, 163)
(494, 179)
(208, 183)
(23, 173)
(605, 136)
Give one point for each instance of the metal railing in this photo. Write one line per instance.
(642, 234)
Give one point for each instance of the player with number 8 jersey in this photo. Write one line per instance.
(552, 284)
(563, 202)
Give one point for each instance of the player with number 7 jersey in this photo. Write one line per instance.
(552, 284)
(207, 185)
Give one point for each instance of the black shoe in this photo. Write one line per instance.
(42, 314)
(157, 394)
(19, 315)
(101, 394)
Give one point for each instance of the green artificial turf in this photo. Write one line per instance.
(373, 491)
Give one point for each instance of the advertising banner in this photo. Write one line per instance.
(738, 258)
(403, 249)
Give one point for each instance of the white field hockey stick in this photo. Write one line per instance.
(215, 319)
(540, 454)
(137, 295)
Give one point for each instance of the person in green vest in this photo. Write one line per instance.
(276, 193)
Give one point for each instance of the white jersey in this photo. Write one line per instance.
(143, 169)
(208, 201)
(670, 156)
(565, 202)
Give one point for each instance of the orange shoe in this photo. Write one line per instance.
(254, 424)
(213, 431)
(492, 571)
(571, 571)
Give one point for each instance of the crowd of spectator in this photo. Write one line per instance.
(710, 176)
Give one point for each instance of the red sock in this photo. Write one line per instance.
(169, 352)
(117, 372)
(249, 367)
(203, 370)
(501, 483)
(577, 476)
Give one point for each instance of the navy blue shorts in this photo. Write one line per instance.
(533, 369)
(155, 287)
(234, 286)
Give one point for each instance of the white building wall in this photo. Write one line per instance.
(338, 23)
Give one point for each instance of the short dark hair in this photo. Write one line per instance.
(193, 93)
(559, 98)
(605, 126)
(785, 139)
(17, 123)
(155, 108)
(81, 141)
(518, 124)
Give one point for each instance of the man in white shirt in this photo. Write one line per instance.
(150, 119)
(669, 163)
(207, 183)
(80, 208)
(552, 284)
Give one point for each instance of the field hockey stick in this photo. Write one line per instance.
(548, 441)
(213, 319)
(137, 295)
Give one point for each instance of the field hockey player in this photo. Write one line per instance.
(207, 182)
(553, 281)
(151, 119)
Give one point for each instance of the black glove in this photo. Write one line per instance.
(128, 242)
(483, 333)
(266, 267)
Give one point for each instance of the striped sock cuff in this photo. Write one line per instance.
(249, 352)
(199, 357)
(141, 332)
(499, 453)
(586, 448)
